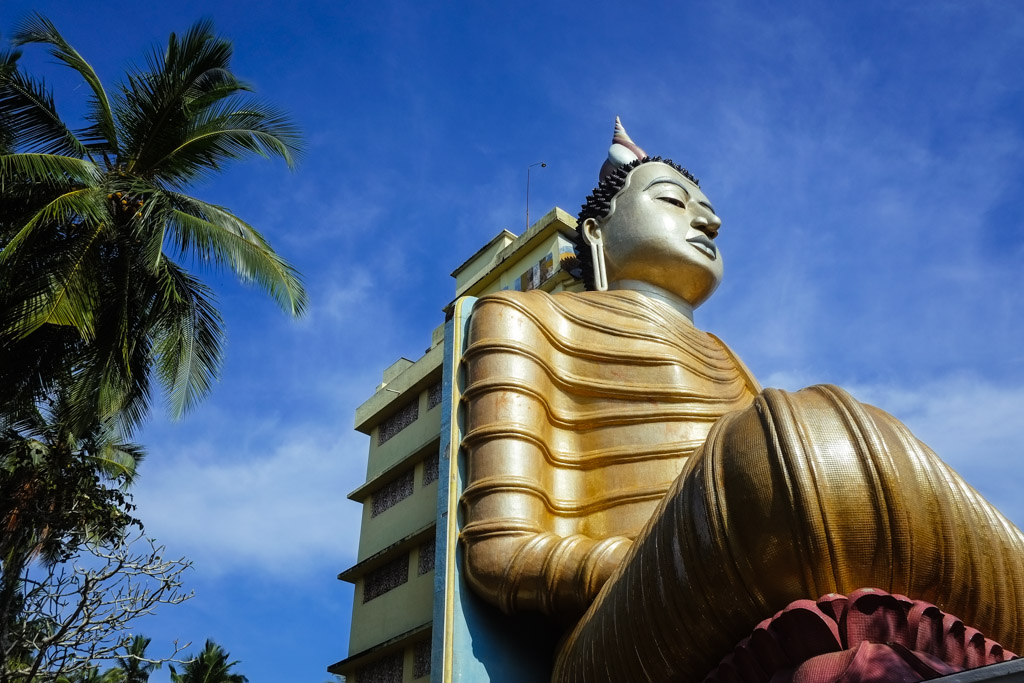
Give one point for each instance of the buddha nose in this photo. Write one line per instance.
(707, 222)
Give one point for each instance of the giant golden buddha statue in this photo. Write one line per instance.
(628, 476)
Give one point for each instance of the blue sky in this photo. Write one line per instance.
(866, 158)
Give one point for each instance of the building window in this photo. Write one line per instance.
(392, 493)
(430, 469)
(537, 274)
(434, 396)
(399, 421)
(421, 659)
(385, 578)
(426, 563)
(384, 670)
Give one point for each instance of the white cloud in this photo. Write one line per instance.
(341, 296)
(279, 510)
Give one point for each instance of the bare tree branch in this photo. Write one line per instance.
(78, 613)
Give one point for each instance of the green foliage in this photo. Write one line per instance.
(209, 666)
(58, 489)
(134, 664)
(93, 675)
(94, 225)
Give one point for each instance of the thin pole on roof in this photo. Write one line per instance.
(542, 165)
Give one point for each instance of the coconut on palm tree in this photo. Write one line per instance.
(96, 223)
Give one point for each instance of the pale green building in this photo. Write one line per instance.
(392, 611)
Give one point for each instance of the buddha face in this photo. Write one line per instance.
(660, 231)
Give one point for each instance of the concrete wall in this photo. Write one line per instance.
(406, 442)
(401, 519)
(397, 611)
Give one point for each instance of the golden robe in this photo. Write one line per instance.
(615, 451)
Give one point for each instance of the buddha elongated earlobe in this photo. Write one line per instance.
(593, 237)
(600, 274)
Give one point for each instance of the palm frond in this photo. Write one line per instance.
(34, 366)
(24, 419)
(63, 294)
(8, 66)
(81, 205)
(112, 382)
(8, 62)
(38, 29)
(112, 373)
(228, 130)
(118, 461)
(197, 52)
(30, 115)
(213, 86)
(189, 340)
(216, 235)
(210, 665)
(199, 62)
(155, 104)
(51, 170)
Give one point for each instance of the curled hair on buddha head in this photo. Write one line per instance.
(623, 156)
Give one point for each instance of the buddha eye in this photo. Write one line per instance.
(675, 201)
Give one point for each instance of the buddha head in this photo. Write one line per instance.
(648, 226)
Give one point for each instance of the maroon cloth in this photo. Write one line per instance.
(867, 637)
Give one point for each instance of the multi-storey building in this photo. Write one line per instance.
(392, 613)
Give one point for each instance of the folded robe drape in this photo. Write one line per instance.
(799, 495)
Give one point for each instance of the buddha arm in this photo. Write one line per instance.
(798, 496)
(522, 548)
(514, 557)
(537, 570)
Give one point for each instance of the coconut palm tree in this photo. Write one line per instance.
(134, 665)
(96, 223)
(211, 666)
(93, 675)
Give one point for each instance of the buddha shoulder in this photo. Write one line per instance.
(621, 328)
(617, 310)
